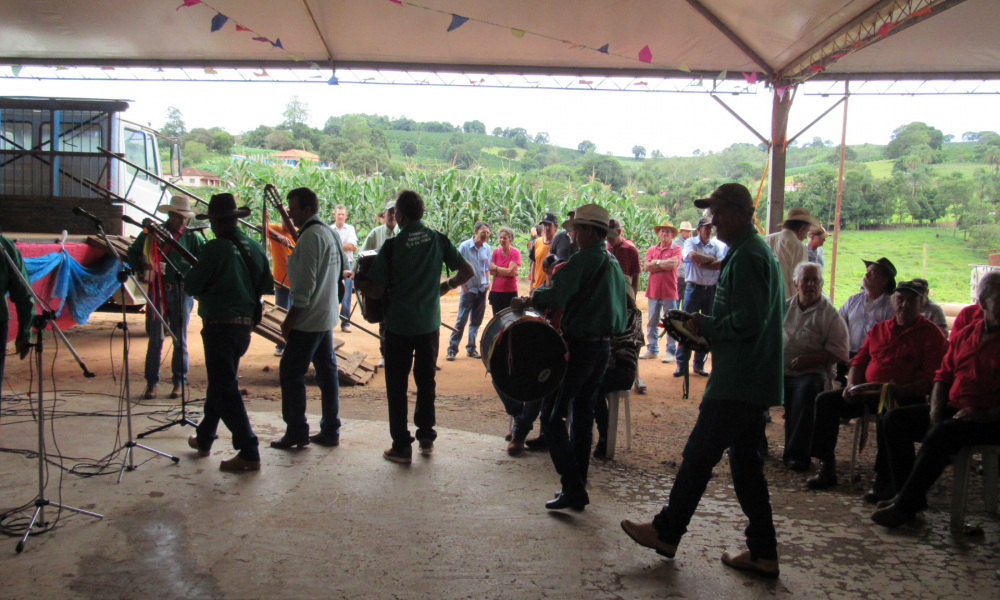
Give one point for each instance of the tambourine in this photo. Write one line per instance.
(676, 324)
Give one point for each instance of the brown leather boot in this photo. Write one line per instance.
(825, 478)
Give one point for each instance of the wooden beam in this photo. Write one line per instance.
(780, 107)
(732, 37)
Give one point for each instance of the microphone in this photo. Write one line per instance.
(82, 213)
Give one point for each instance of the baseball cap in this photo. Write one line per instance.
(732, 194)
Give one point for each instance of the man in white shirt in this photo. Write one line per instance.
(349, 239)
(313, 270)
(787, 244)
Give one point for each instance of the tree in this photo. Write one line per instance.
(586, 146)
(606, 169)
(439, 127)
(257, 137)
(510, 153)
(498, 131)
(639, 151)
(296, 111)
(279, 140)
(656, 154)
(195, 152)
(849, 155)
(332, 149)
(222, 142)
(948, 138)
(174, 127)
(514, 132)
(816, 143)
(541, 138)
(521, 140)
(404, 124)
(970, 136)
(473, 127)
(332, 126)
(992, 158)
(377, 139)
(356, 129)
(407, 148)
(914, 134)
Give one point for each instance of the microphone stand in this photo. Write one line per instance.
(182, 420)
(39, 323)
(124, 274)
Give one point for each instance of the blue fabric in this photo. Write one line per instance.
(82, 288)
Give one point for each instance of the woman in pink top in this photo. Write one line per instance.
(503, 267)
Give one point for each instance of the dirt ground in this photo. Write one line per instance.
(661, 419)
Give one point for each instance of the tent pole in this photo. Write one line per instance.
(840, 193)
(779, 140)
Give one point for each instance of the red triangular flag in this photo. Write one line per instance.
(188, 3)
(242, 28)
(886, 28)
(923, 12)
(750, 77)
(261, 39)
(645, 55)
(399, 2)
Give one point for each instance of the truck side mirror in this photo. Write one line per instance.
(175, 160)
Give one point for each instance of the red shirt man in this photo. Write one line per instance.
(626, 253)
(901, 356)
(662, 261)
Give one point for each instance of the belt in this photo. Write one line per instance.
(587, 338)
(169, 287)
(698, 285)
(233, 321)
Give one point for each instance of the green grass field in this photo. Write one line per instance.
(948, 260)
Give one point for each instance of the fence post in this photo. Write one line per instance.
(925, 261)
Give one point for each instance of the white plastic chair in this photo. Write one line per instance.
(858, 424)
(613, 400)
(960, 487)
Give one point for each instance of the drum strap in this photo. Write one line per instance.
(567, 316)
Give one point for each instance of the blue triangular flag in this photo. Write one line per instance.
(218, 21)
(603, 49)
(333, 80)
(277, 44)
(456, 22)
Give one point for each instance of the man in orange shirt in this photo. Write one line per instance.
(541, 250)
(281, 248)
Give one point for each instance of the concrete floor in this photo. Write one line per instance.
(467, 522)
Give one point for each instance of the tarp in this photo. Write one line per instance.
(583, 36)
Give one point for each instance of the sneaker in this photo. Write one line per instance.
(474, 354)
(403, 457)
(668, 358)
(381, 363)
(426, 447)
(279, 351)
(451, 355)
(648, 354)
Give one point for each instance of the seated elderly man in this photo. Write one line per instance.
(903, 354)
(815, 340)
(964, 411)
(932, 310)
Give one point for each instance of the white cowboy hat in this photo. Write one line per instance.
(590, 214)
(801, 214)
(178, 204)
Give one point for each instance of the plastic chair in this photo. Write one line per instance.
(858, 423)
(960, 488)
(613, 400)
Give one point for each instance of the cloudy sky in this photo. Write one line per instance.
(676, 124)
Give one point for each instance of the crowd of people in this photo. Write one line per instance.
(776, 340)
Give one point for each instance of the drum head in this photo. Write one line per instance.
(528, 360)
(676, 324)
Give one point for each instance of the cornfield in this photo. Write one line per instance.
(454, 199)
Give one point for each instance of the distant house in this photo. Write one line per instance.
(792, 186)
(192, 176)
(292, 158)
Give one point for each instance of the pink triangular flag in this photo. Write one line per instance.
(261, 39)
(188, 3)
(399, 2)
(242, 28)
(781, 92)
(750, 77)
(645, 55)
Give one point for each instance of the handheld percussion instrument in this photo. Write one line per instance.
(676, 324)
(526, 356)
(371, 309)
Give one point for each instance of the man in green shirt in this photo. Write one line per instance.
(10, 284)
(166, 292)
(408, 270)
(591, 290)
(229, 279)
(745, 329)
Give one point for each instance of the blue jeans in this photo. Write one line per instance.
(571, 453)
(224, 346)
(471, 308)
(403, 352)
(345, 303)
(524, 414)
(306, 347)
(723, 424)
(282, 299)
(697, 298)
(177, 311)
(653, 325)
(800, 407)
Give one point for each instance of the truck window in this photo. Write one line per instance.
(135, 151)
(15, 135)
(151, 163)
(80, 138)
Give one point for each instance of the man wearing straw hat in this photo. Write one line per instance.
(166, 292)
(787, 244)
(590, 288)
(231, 276)
(662, 261)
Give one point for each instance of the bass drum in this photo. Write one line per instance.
(525, 355)
(372, 310)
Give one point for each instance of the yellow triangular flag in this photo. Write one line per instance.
(684, 67)
(518, 33)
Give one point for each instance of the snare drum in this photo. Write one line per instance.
(372, 310)
(525, 355)
(675, 322)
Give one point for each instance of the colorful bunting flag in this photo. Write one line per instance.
(263, 73)
(923, 12)
(277, 44)
(815, 68)
(585, 82)
(261, 39)
(603, 49)
(456, 22)
(518, 33)
(750, 77)
(218, 21)
(62, 68)
(781, 92)
(16, 69)
(242, 28)
(838, 55)
(724, 74)
(399, 2)
(886, 28)
(684, 67)
(645, 55)
(107, 68)
(188, 3)
(333, 80)
(210, 71)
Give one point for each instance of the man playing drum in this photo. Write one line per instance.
(591, 289)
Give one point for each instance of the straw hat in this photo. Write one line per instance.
(666, 225)
(178, 204)
(819, 232)
(223, 206)
(686, 226)
(801, 214)
(590, 214)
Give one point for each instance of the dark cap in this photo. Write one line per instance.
(911, 286)
(704, 221)
(222, 206)
(549, 261)
(732, 194)
(887, 266)
(550, 218)
(923, 283)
